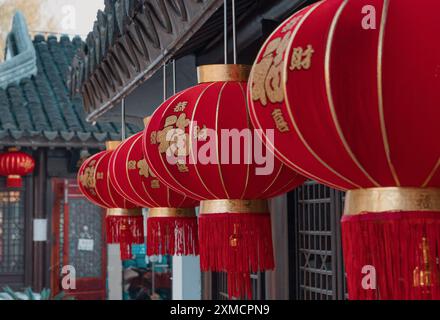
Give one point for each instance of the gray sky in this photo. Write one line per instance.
(75, 16)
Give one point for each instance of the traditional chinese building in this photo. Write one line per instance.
(43, 223)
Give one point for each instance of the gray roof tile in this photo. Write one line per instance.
(41, 105)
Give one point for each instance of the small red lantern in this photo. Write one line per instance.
(15, 164)
(124, 220)
(185, 145)
(355, 106)
(172, 221)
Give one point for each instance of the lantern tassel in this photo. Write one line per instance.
(392, 255)
(125, 230)
(238, 243)
(172, 235)
(14, 181)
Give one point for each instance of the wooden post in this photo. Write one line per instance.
(39, 252)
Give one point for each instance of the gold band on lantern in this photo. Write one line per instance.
(112, 145)
(118, 212)
(391, 199)
(14, 176)
(223, 72)
(233, 206)
(171, 213)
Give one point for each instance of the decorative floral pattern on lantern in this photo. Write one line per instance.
(356, 107)
(172, 221)
(124, 220)
(200, 142)
(14, 165)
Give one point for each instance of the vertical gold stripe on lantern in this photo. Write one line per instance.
(191, 137)
(431, 175)
(243, 91)
(380, 91)
(216, 139)
(330, 94)
(288, 105)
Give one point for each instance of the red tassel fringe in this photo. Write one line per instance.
(173, 236)
(125, 230)
(237, 243)
(404, 249)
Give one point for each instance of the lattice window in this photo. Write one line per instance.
(12, 232)
(220, 286)
(85, 222)
(316, 233)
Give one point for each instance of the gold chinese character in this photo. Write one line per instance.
(302, 59)
(131, 165)
(200, 134)
(144, 169)
(267, 78)
(289, 26)
(169, 142)
(87, 178)
(180, 106)
(182, 167)
(100, 175)
(153, 137)
(155, 184)
(281, 124)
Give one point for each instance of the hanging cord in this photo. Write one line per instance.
(174, 77)
(123, 132)
(234, 32)
(164, 76)
(225, 22)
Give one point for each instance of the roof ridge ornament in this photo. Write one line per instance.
(21, 59)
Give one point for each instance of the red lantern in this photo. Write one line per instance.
(15, 164)
(355, 105)
(124, 220)
(185, 145)
(172, 221)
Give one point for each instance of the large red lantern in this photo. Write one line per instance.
(124, 220)
(14, 165)
(186, 146)
(352, 91)
(172, 221)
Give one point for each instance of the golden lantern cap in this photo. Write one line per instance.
(223, 73)
(112, 145)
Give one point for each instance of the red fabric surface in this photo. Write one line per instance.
(393, 244)
(104, 188)
(133, 178)
(173, 236)
(85, 179)
(346, 117)
(217, 106)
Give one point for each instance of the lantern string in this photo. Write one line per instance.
(225, 21)
(234, 32)
(164, 76)
(123, 132)
(174, 76)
